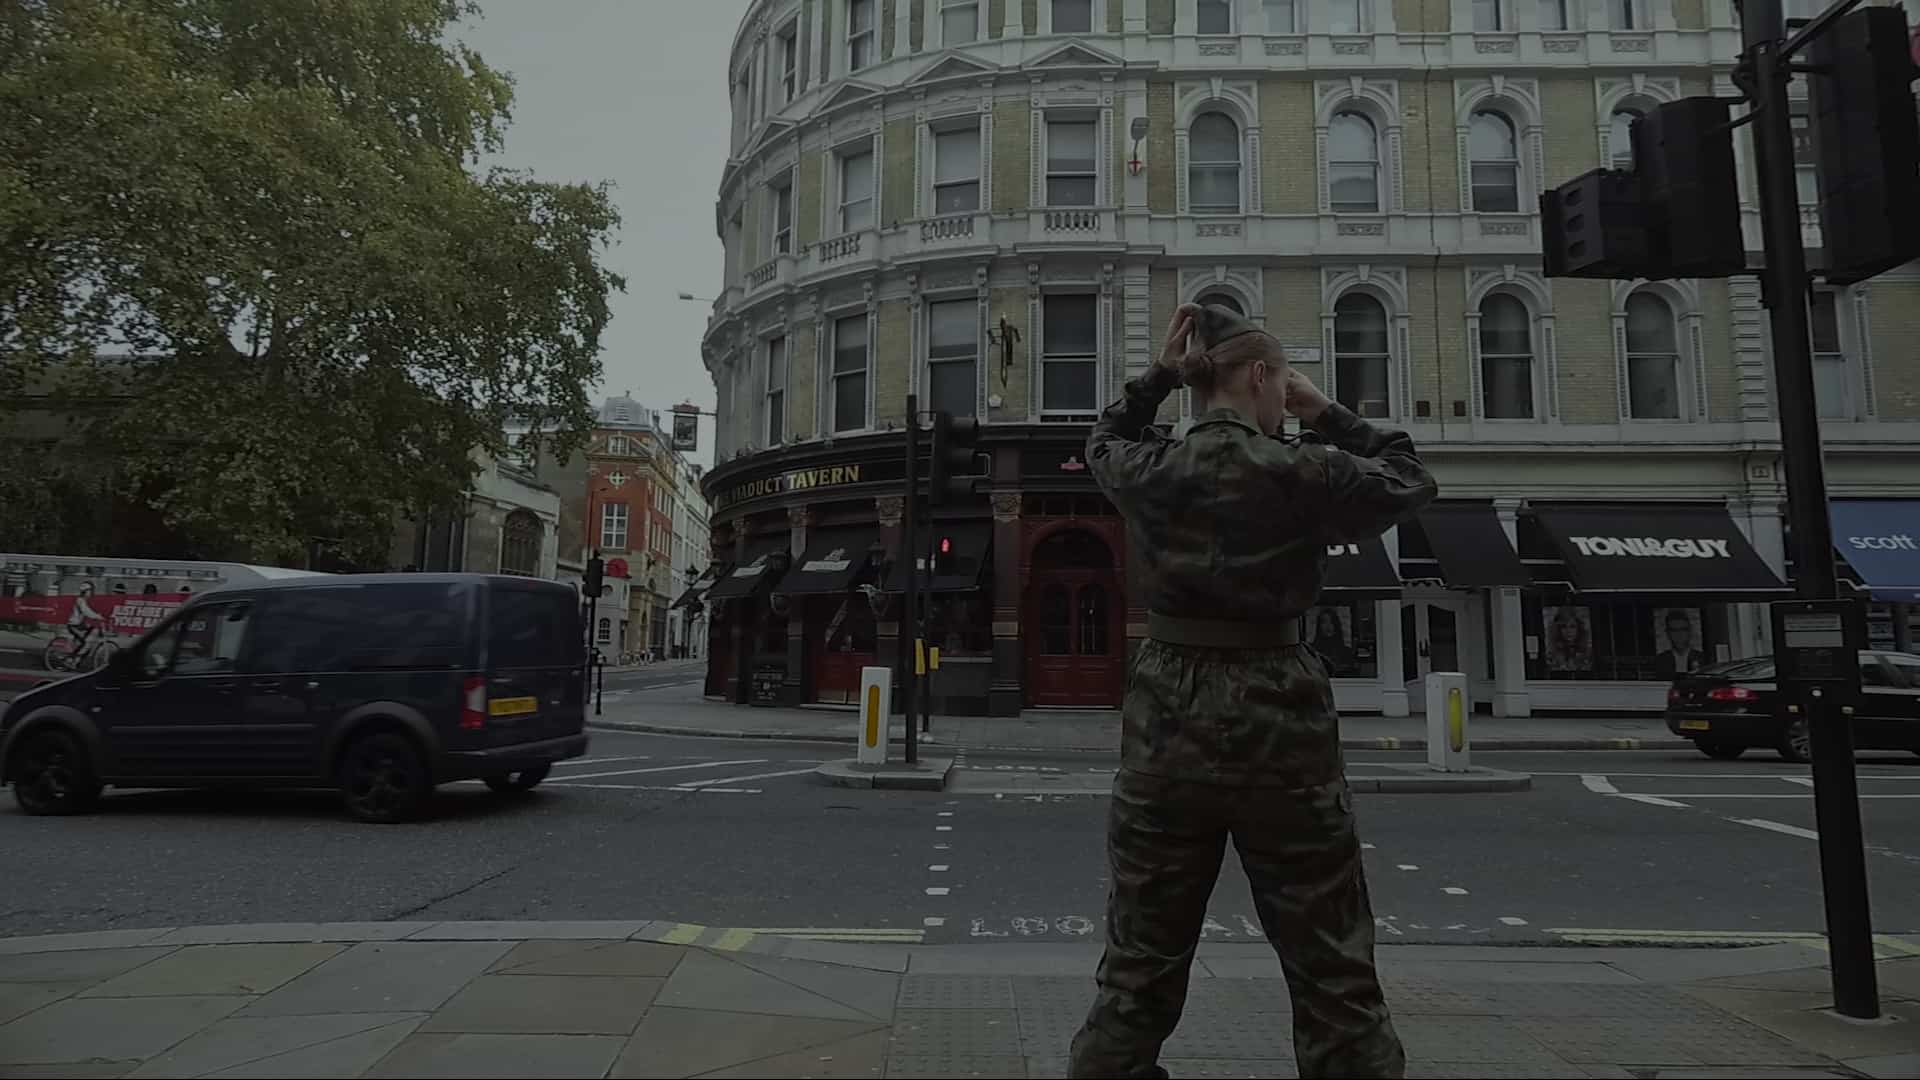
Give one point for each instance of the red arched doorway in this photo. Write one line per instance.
(1075, 622)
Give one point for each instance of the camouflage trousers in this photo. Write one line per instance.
(1165, 841)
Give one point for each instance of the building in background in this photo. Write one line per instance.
(912, 183)
(692, 564)
(509, 524)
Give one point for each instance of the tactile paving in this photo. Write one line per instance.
(956, 992)
(1470, 1038)
(934, 1065)
(1684, 1041)
(953, 1033)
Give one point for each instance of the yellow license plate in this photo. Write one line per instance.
(512, 706)
(1695, 725)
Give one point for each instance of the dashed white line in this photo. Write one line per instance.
(1406, 866)
(933, 920)
(944, 813)
(1650, 800)
(1513, 920)
(938, 890)
(943, 828)
(602, 760)
(938, 868)
(1454, 890)
(1775, 826)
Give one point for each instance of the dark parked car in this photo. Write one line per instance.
(1726, 708)
(382, 685)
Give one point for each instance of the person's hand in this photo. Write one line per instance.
(1304, 399)
(1178, 331)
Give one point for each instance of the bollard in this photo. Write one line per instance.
(876, 706)
(1448, 709)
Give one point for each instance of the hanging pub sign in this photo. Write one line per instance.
(686, 428)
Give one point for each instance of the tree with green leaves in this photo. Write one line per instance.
(249, 255)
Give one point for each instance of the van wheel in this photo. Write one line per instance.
(384, 780)
(1720, 751)
(524, 780)
(1796, 742)
(53, 774)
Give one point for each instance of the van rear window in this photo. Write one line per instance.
(533, 628)
(363, 628)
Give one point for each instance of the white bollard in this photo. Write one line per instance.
(1448, 709)
(876, 708)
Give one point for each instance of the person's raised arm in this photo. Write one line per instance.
(1375, 478)
(1122, 449)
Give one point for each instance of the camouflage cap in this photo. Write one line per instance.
(1214, 324)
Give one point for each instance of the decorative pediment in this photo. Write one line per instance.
(850, 93)
(1075, 55)
(771, 133)
(953, 67)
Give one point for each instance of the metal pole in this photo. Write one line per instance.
(1836, 794)
(910, 618)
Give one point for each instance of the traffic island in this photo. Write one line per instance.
(929, 774)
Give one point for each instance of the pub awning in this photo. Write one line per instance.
(972, 542)
(1880, 539)
(1649, 548)
(757, 571)
(833, 560)
(697, 591)
(1361, 568)
(1466, 540)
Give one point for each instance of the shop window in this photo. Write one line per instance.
(1343, 635)
(1622, 640)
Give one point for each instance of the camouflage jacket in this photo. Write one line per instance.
(1230, 523)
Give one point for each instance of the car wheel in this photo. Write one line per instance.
(384, 779)
(53, 774)
(524, 780)
(1796, 742)
(1720, 751)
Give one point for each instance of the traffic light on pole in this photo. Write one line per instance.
(595, 578)
(943, 559)
(950, 473)
(1866, 138)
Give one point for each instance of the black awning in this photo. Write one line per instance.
(971, 542)
(1651, 548)
(1361, 567)
(697, 591)
(759, 569)
(834, 559)
(1472, 549)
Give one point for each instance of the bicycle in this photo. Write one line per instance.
(61, 655)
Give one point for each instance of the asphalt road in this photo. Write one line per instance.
(1667, 845)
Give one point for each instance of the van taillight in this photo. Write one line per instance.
(473, 704)
(1731, 693)
(1673, 695)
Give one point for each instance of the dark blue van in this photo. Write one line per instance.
(382, 685)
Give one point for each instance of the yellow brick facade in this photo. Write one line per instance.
(1161, 192)
(1159, 16)
(1427, 146)
(1716, 342)
(1583, 323)
(1287, 138)
(803, 387)
(1572, 144)
(806, 193)
(892, 360)
(896, 203)
(1893, 309)
(1012, 132)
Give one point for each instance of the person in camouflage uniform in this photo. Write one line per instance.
(1228, 728)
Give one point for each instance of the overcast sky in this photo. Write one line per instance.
(633, 92)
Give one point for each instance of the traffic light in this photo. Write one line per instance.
(1676, 213)
(596, 577)
(1866, 139)
(950, 475)
(943, 558)
(1593, 226)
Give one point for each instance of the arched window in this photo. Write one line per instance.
(1620, 138)
(1360, 355)
(1506, 358)
(1653, 359)
(520, 543)
(1213, 169)
(1353, 165)
(1225, 300)
(1494, 152)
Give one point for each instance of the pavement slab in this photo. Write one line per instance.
(386, 976)
(82, 965)
(19, 999)
(955, 1033)
(238, 1042)
(547, 1005)
(708, 981)
(858, 1058)
(505, 1056)
(644, 959)
(673, 1042)
(871, 992)
(107, 1029)
(942, 1066)
(219, 969)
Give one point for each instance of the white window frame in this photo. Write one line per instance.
(614, 526)
(1619, 148)
(1530, 320)
(1388, 328)
(1683, 390)
(1293, 16)
(834, 375)
(1092, 359)
(1095, 21)
(1844, 354)
(789, 56)
(620, 445)
(1239, 165)
(863, 148)
(979, 20)
(854, 46)
(780, 200)
(1363, 17)
(1233, 20)
(963, 125)
(976, 359)
(1048, 173)
(778, 357)
(1378, 162)
(1518, 160)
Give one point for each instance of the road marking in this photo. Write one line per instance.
(1454, 890)
(944, 813)
(943, 847)
(734, 940)
(655, 787)
(743, 779)
(938, 868)
(885, 934)
(1774, 826)
(938, 890)
(1513, 920)
(1364, 846)
(1599, 785)
(1650, 800)
(602, 760)
(933, 920)
(684, 934)
(1803, 781)
(671, 768)
(943, 828)
(1407, 866)
(1742, 795)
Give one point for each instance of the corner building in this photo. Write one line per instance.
(996, 205)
